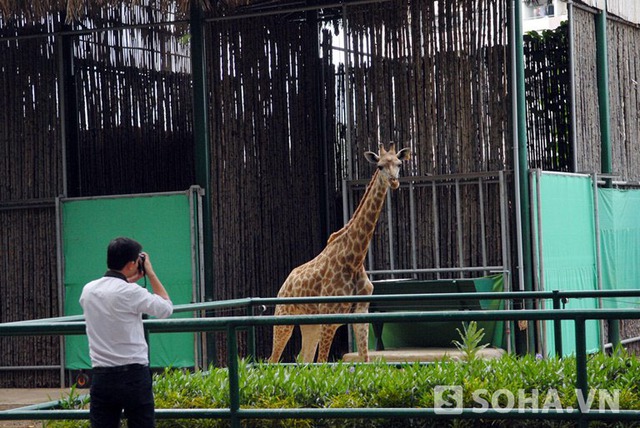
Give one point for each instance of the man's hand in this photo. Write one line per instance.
(156, 285)
(135, 277)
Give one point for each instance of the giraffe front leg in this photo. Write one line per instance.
(326, 339)
(361, 331)
(362, 340)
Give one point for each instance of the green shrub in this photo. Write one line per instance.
(375, 385)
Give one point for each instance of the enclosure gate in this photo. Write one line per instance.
(457, 224)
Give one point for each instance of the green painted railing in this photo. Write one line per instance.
(75, 325)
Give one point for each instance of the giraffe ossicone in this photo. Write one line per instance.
(339, 269)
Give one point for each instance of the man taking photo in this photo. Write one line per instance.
(113, 307)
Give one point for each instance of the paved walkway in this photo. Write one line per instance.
(11, 398)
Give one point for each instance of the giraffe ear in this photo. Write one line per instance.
(371, 157)
(404, 154)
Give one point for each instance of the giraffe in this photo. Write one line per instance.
(339, 269)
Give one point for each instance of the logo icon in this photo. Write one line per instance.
(447, 400)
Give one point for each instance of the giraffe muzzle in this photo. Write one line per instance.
(394, 183)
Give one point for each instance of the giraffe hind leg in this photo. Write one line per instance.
(281, 335)
(310, 339)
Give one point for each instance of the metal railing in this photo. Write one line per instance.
(231, 325)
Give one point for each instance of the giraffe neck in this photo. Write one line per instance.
(357, 233)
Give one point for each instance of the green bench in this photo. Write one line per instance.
(426, 341)
(419, 334)
(433, 334)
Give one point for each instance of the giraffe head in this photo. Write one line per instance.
(389, 162)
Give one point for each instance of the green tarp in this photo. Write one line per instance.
(566, 248)
(567, 214)
(620, 243)
(163, 225)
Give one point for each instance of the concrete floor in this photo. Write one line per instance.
(12, 398)
(408, 355)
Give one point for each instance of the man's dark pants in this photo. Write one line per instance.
(128, 388)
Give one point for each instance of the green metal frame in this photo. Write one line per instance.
(66, 326)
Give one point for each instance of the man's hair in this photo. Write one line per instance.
(122, 251)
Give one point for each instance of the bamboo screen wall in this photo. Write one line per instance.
(624, 98)
(31, 171)
(267, 153)
(133, 91)
(586, 84)
(624, 71)
(433, 76)
(548, 99)
(134, 99)
(429, 75)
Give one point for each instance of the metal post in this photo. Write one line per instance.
(202, 151)
(60, 277)
(506, 260)
(483, 238)
(572, 86)
(582, 386)
(436, 228)
(557, 325)
(605, 121)
(234, 381)
(521, 163)
(322, 131)
(538, 264)
(412, 221)
(392, 256)
(459, 228)
(68, 117)
(251, 333)
(347, 92)
(603, 91)
(538, 257)
(596, 223)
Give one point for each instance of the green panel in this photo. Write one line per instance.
(436, 334)
(568, 249)
(162, 224)
(620, 243)
(493, 330)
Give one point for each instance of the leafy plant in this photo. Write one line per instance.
(411, 385)
(471, 339)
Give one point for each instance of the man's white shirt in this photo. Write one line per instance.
(113, 311)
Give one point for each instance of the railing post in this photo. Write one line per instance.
(234, 382)
(582, 386)
(557, 324)
(251, 332)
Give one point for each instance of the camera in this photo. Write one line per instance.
(141, 259)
